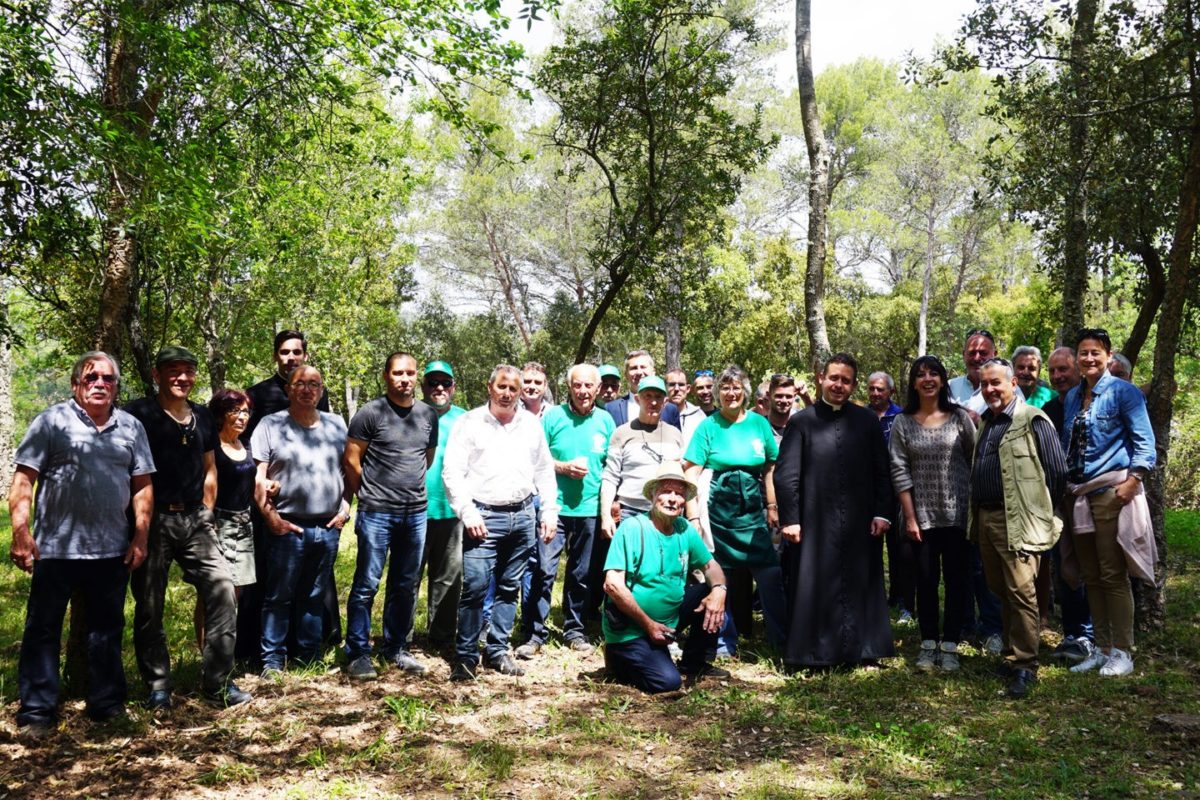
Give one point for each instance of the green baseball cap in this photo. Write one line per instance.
(439, 366)
(609, 371)
(175, 353)
(652, 382)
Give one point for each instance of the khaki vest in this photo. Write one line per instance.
(1028, 509)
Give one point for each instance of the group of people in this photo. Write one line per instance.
(675, 517)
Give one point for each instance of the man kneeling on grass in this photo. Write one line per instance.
(648, 600)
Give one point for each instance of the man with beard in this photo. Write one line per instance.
(834, 490)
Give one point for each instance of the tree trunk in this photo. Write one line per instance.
(818, 190)
(1075, 250)
(7, 417)
(1183, 273)
(620, 275)
(926, 284)
(1155, 289)
(351, 395)
(507, 277)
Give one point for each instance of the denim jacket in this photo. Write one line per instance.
(1119, 432)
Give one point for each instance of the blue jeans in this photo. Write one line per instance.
(988, 603)
(576, 534)
(299, 567)
(505, 554)
(378, 532)
(102, 583)
(648, 666)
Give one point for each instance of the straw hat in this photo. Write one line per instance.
(668, 471)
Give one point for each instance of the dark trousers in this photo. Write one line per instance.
(648, 666)
(941, 555)
(101, 585)
(902, 568)
(988, 622)
(191, 540)
(1076, 615)
(576, 535)
(443, 555)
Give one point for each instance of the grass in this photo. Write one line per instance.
(560, 732)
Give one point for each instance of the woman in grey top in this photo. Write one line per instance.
(931, 446)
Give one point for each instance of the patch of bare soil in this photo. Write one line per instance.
(559, 731)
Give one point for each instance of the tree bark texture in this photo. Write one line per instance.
(7, 416)
(1155, 289)
(818, 190)
(1075, 228)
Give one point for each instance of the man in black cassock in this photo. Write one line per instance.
(835, 498)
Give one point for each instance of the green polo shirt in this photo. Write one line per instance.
(570, 436)
(438, 506)
(720, 444)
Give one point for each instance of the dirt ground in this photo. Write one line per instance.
(559, 731)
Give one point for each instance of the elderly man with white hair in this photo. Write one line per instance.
(1027, 366)
(577, 433)
(649, 602)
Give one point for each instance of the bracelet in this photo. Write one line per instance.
(772, 505)
(718, 586)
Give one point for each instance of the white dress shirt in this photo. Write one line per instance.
(498, 464)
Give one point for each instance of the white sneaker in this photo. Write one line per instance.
(1096, 659)
(905, 619)
(993, 645)
(927, 658)
(1119, 663)
(949, 656)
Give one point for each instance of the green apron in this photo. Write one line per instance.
(738, 522)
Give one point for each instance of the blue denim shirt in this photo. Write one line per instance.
(1119, 432)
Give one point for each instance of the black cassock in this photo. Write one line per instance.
(832, 477)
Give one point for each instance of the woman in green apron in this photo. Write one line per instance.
(739, 447)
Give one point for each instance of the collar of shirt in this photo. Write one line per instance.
(1007, 412)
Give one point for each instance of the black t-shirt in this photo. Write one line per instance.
(393, 467)
(268, 397)
(235, 480)
(178, 450)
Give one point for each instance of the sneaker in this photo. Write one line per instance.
(905, 619)
(948, 659)
(993, 645)
(927, 658)
(228, 695)
(1074, 650)
(1119, 663)
(529, 649)
(159, 700)
(361, 669)
(505, 665)
(706, 671)
(581, 646)
(271, 673)
(1096, 659)
(463, 671)
(403, 660)
(34, 731)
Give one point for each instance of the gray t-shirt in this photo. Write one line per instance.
(83, 480)
(307, 462)
(393, 467)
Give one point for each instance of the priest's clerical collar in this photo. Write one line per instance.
(834, 406)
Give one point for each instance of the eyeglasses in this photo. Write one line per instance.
(439, 383)
(704, 373)
(981, 332)
(314, 385)
(241, 412)
(96, 377)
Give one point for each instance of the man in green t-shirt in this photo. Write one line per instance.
(577, 433)
(649, 601)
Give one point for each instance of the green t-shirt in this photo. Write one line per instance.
(571, 436)
(656, 567)
(720, 444)
(438, 506)
(1041, 395)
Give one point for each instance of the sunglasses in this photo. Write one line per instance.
(981, 332)
(1099, 334)
(704, 373)
(439, 383)
(1004, 362)
(96, 377)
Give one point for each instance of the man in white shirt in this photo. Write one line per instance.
(496, 460)
(980, 346)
